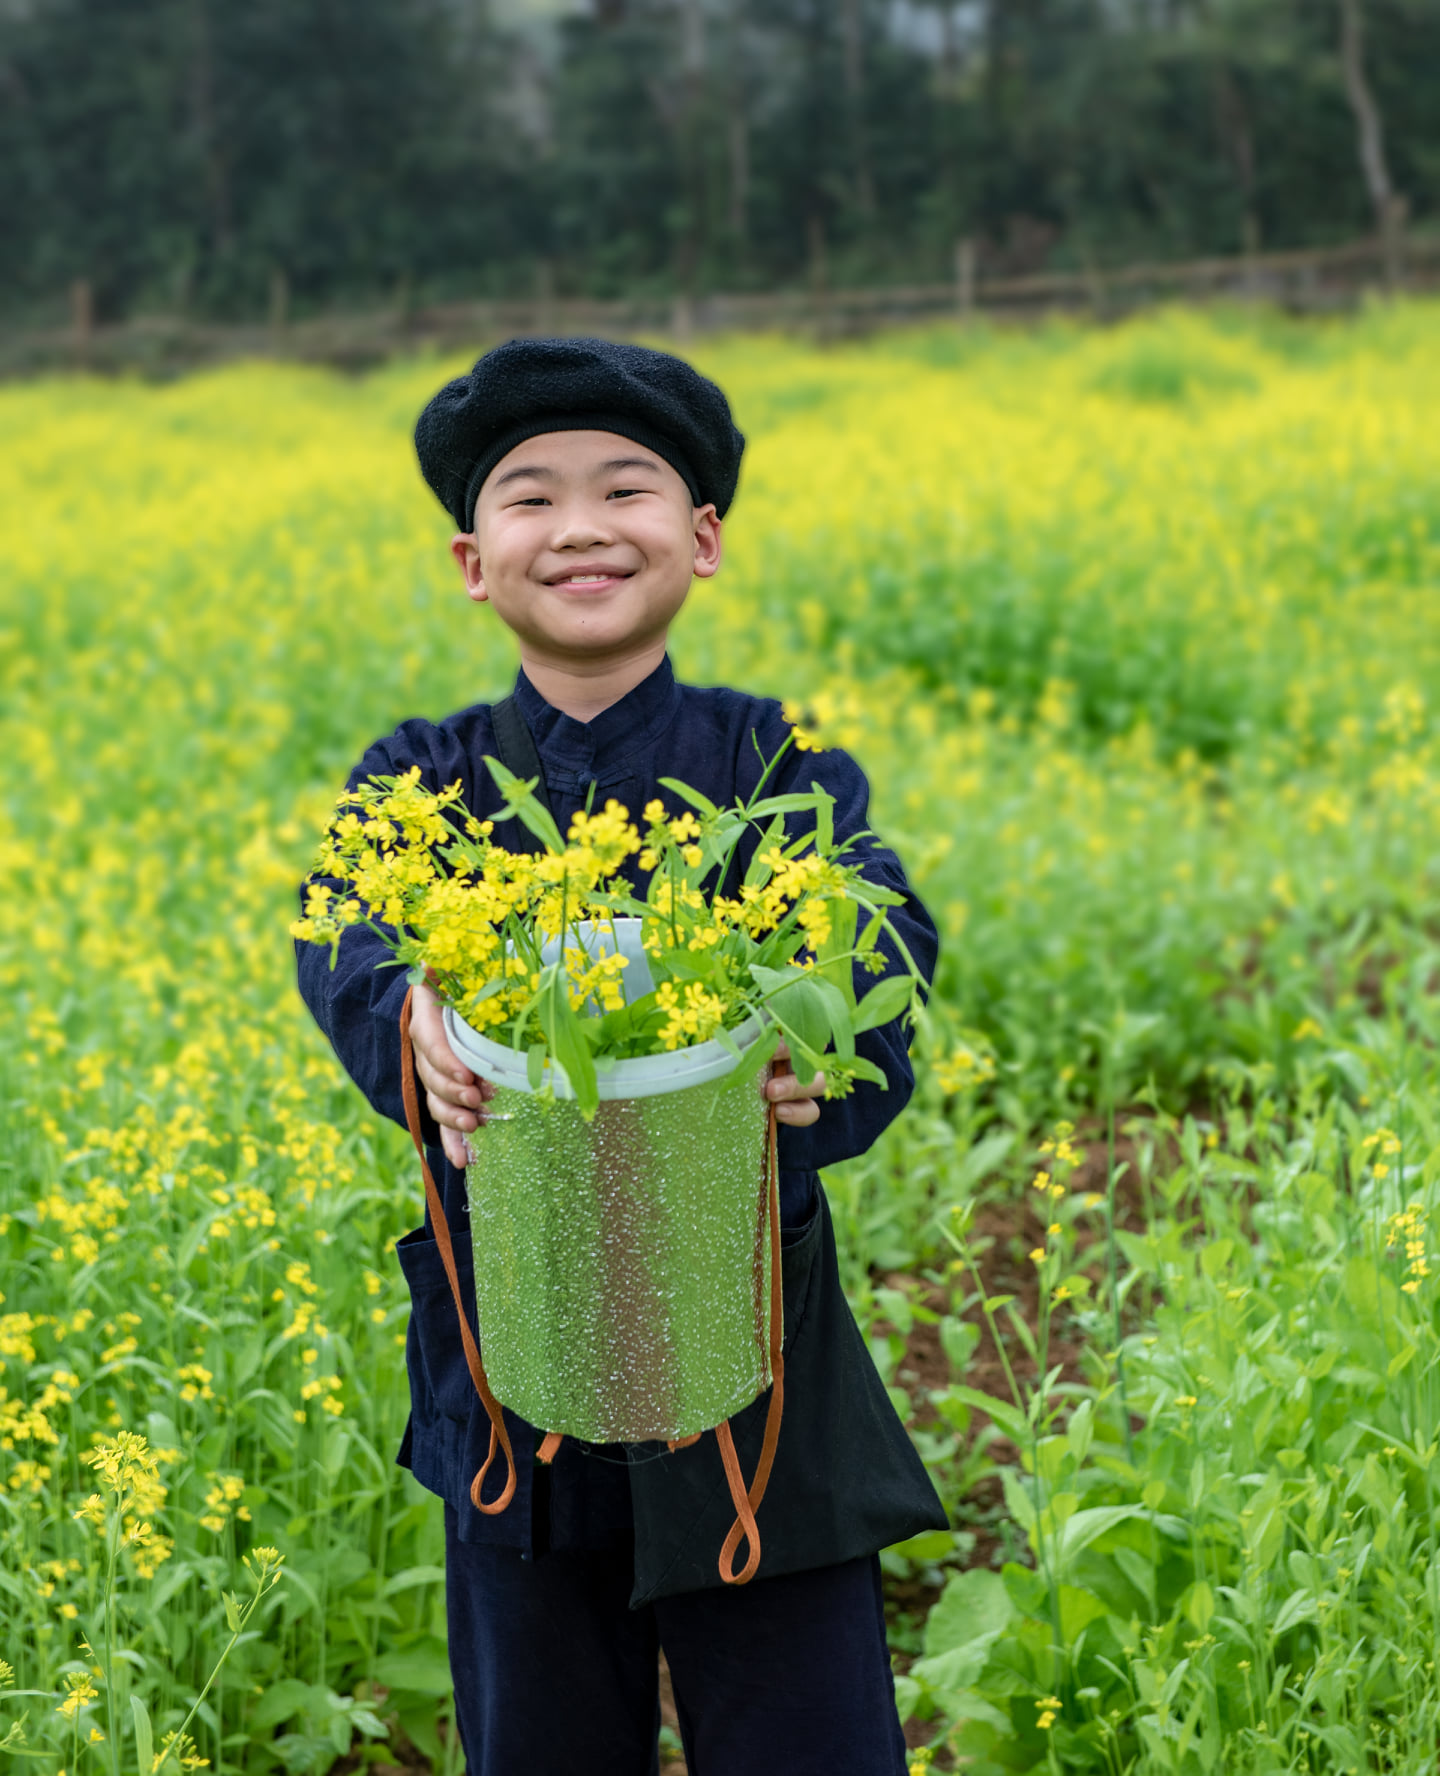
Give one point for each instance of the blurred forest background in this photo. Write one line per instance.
(199, 158)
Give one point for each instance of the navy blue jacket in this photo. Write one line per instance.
(707, 739)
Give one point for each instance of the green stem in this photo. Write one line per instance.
(260, 1589)
(112, 1561)
(1113, 1263)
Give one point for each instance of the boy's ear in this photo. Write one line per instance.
(467, 558)
(707, 543)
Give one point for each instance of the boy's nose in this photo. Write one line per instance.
(580, 529)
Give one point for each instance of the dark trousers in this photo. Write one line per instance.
(555, 1674)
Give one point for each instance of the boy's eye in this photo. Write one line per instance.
(535, 499)
(623, 492)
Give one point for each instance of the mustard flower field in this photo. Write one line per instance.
(1135, 633)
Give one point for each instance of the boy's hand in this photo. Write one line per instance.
(794, 1103)
(456, 1097)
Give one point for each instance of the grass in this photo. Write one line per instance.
(1133, 633)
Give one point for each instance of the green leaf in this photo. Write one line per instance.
(884, 1002)
(1299, 1606)
(424, 1669)
(1088, 1526)
(838, 1013)
(283, 1701)
(756, 1057)
(860, 1068)
(412, 1576)
(535, 1066)
(144, 1737)
(1199, 1604)
(693, 796)
(566, 1039)
(833, 958)
(824, 820)
(526, 809)
(1007, 1418)
(799, 1007)
(972, 1606)
(783, 804)
(930, 1544)
(958, 1339)
(1078, 1608)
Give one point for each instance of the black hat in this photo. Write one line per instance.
(530, 386)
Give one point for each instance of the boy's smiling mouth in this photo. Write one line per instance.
(589, 578)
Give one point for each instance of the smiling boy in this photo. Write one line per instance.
(588, 482)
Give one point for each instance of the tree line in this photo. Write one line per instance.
(218, 159)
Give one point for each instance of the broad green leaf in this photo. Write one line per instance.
(1086, 1527)
(144, 1737)
(958, 1339)
(799, 1007)
(1078, 1608)
(1199, 1604)
(425, 1669)
(973, 1604)
(884, 1002)
(838, 1014)
(284, 1700)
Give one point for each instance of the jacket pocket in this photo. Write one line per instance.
(440, 1380)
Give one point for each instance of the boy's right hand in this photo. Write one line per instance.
(455, 1096)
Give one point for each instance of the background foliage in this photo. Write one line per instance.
(181, 155)
(1134, 633)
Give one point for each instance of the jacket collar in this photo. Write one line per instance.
(600, 748)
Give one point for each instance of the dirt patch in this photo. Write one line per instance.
(1003, 1234)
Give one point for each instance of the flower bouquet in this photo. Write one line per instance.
(619, 985)
(525, 948)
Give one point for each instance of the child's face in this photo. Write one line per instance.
(586, 544)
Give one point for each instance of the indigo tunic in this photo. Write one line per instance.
(717, 741)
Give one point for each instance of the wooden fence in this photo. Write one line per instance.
(1331, 278)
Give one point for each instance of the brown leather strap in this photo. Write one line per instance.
(499, 1436)
(549, 1447)
(747, 1503)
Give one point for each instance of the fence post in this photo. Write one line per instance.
(279, 300)
(819, 276)
(965, 279)
(82, 314)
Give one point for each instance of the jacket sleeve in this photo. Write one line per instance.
(358, 1002)
(851, 1125)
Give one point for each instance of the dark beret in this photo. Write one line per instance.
(530, 386)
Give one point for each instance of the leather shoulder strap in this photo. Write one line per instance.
(516, 747)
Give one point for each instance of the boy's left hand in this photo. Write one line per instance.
(794, 1103)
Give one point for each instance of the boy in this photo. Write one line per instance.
(588, 482)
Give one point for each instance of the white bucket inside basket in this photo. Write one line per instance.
(647, 1077)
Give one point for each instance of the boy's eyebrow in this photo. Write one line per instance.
(631, 462)
(525, 469)
(540, 472)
